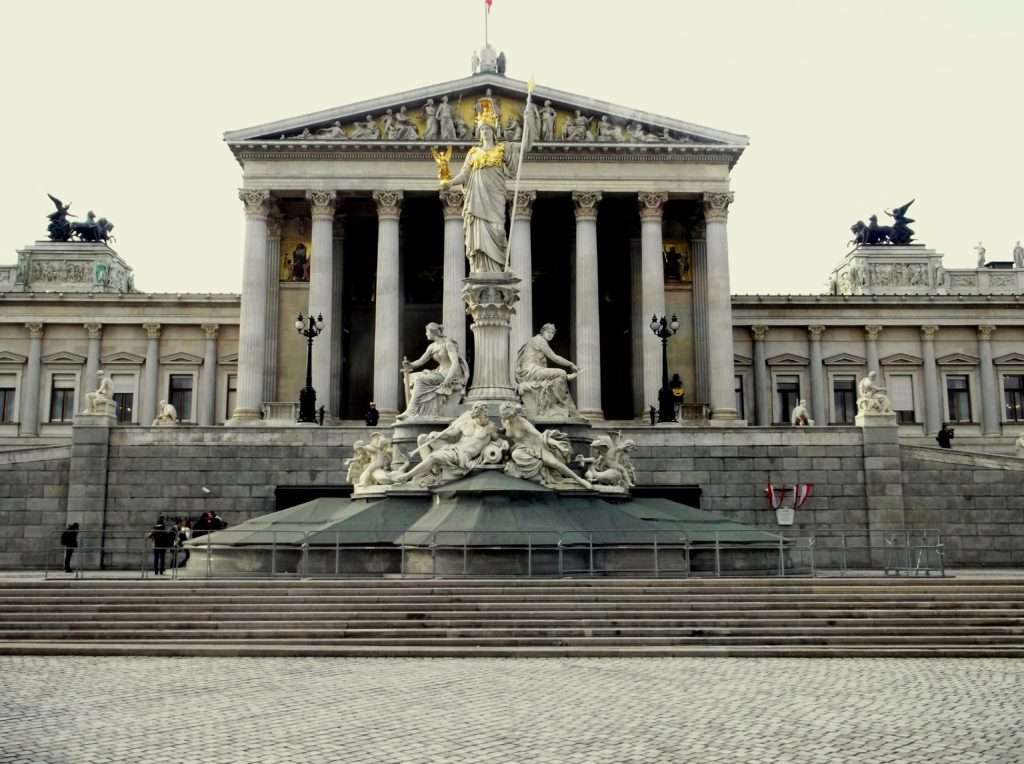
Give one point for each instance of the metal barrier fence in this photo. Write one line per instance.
(527, 553)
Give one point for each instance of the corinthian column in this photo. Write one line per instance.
(588, 317)
(762, 382)
(652, 288)
(208, 378)
(274, 226)
(719, 309)
(522, 265)
(92, 357)
(871, 347)
(321, 287)
(385, 322)
(990, 419)
(932, 404)
(252, 320)
(453, 310)
(30, 389)
(818, 408)
(151, 380)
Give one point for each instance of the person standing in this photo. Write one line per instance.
(69, 540)
(678, 395)
(945, 436)
(163, 539)
(372, 415)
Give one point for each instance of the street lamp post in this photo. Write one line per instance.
(664, 328)
(309, 328)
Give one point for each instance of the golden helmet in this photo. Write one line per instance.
(487, 115)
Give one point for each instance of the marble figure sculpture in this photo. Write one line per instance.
(469, 441)
(872, 399)
(609, 461)
(429, 392)
(102, 400)
(545, 389)
(166, 415)
(539, 456)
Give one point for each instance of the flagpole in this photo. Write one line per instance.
(519, 170)
(487, 9)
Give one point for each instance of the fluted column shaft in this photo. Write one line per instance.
(700, 316)
(151, 379)
(385, 352)
(719, 307)
(932, 403)
(521, 258)
(588, 316)
(30, 388)
(208, 378)
(252, 326)
(321, 288)
(871, 351)
(652, 292)
(274, 224)
(762, 381)
(92, 357)
(453, 309)
(819, 392)
(990, 398)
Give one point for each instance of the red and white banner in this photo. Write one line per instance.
(801, 493)
(775, 495)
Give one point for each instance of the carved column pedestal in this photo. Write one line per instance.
(490, 299)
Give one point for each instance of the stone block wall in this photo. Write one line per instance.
(33, 505)
(977, 500)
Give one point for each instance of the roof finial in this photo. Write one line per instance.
(488, 59)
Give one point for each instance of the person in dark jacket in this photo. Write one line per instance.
(207, 523)
(163, 538)
(69, 540)
(945, 436)
(372, 415)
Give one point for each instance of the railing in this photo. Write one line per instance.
(519, 554)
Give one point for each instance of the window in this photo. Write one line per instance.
(1013, 392)
(180, 395)
(232, 396)
(844, 394)
(901, 393)
(788, 388)
(123, 405)
(958, 393)
(62, 398)
(739, 395)
(6, 398)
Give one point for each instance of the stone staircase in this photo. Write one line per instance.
(980, 617)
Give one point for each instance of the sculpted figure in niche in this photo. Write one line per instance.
(432, 392)
(471, 440)
(547, 122)
(102, 400)
(800, 416)
(445, 123)
(610, 462)
(545, 390)
(539, 456)
(483, 177)
(432, 128)
(166, 415)
(366, 131)
(872, 399)
(513, 130)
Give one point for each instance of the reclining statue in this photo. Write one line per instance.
(539, 456)
(470, 441)
(544, 390)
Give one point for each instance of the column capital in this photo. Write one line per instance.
(389, 204)
(95, 330)
(35, 329)
(211, 331)
(274, 226)
(523, 203)
(985, 332)
(586, 204)
(322, 204)
(760, 332)
(928, 332)
(816, 330)
(652, 204)
(452, 200)
(873, 330)
(256, 201)
(716, 206)
(152, 331)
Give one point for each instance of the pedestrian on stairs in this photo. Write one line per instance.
(69, 540)
(163, 538)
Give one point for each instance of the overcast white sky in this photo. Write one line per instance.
(850, 107)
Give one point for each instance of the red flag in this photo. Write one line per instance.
(488, 3)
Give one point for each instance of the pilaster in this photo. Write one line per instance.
(762, 380)
(990, 418)
(932, 402)
(152, 374)
(819, 407)
(208, 377)
(33, 372)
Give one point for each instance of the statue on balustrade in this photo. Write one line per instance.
(539, 456)
(483, 176)
(166, 416)
(102, 400)
(800, 416)
(471, 440)
(438, 391)
(872, 399)
(544, 389)
(1018, 256)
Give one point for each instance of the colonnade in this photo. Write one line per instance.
(257, 344)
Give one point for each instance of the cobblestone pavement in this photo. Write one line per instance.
(435, 711)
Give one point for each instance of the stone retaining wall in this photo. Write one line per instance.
(33, 504)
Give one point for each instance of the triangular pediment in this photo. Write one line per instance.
(122, 357)
(230, 359)
(787, 359)
(844, 359)
(900, 359)
(1010, 359)
(957, 359)
(7, 356)
(182, 358)
(742, 360)
(63, 356)
(349, 124)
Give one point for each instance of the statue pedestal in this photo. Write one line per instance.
(875, 420)
(490, 299)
